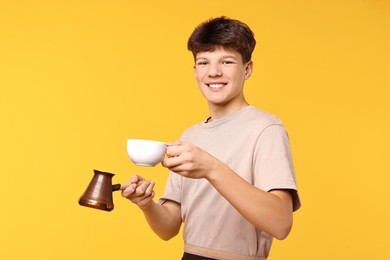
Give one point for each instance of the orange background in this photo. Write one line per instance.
(78, 78)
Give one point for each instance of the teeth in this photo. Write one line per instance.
(216, 85)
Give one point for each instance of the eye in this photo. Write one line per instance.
(227, 62)
(201, 63)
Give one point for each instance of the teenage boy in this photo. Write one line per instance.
(231, 180)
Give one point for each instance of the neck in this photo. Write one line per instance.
(219, 111)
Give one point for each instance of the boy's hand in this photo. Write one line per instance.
(139, 191)
(189, 160)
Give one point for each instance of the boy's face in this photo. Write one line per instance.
(221, 75)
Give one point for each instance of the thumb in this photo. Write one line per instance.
(136, 178)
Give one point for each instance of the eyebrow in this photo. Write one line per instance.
(223, 57)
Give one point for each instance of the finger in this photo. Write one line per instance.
(176, 150)
(136, 178)
(149, 189)
(129, 190)
(124, 185)
(142, 187)
(145, 200)
(176, 142)
(138, 199)
(172, 162)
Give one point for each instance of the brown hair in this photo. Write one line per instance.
(223, 32)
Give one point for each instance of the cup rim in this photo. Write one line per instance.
(145, 140)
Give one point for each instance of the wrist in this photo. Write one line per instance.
(147, 206)
(214, 169)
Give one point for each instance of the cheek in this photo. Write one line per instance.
(241, 76)
(198, 75)
(199, 81)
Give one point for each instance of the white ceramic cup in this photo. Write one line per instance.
(145, 152)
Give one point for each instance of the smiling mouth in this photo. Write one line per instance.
(216, 85)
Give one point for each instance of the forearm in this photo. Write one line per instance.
(163, 219)
(265, 210)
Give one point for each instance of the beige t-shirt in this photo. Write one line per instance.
(255, 145)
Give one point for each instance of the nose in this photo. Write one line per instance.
(214, 70)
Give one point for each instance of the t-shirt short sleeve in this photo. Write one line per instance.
(172, 189)
(273, 165)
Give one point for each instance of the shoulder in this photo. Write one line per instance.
(260, 119)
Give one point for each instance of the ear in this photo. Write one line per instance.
(248, 69)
